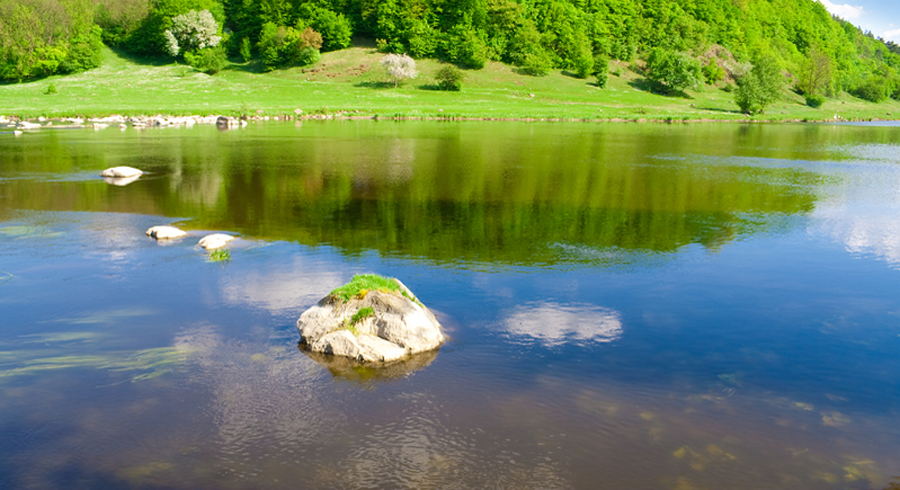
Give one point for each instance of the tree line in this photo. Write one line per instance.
(682, 41)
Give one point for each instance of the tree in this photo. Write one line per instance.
(814, 76)
(286, 46)
(399, 67)
(672, 71)
(192, 31)
(760, 87)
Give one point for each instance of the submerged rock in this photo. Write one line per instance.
(370, 325)
(165, 232)
(121, 172)
(215, 241)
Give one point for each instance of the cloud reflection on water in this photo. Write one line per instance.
(554, 324)
(863, 213)
(279, 287)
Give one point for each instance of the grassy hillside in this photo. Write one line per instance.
(352, 82)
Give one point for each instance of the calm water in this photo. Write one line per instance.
(629, 307)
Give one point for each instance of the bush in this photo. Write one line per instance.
(601, 70)
(760, 87)
(874, 89)
(209, 60)
(815, 101)
(672, 71)
(449, 78)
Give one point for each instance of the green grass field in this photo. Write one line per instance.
(352, 82)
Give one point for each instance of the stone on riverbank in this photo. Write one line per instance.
(382, 324)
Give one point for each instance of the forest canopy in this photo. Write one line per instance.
(820, 54)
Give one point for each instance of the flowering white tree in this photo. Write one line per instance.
(192, 31)
(399, 67)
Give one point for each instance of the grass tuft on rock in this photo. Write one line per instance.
(362, 284)
(362, 314)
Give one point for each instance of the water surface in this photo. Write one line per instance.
(628, 306)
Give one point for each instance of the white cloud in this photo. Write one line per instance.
(893, 35)
(845, 11)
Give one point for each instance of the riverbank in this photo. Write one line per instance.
(351, 84)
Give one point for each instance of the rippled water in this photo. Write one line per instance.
(628, 306)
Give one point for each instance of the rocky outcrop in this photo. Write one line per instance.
(372, 326)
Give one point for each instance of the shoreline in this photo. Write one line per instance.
(20, 124)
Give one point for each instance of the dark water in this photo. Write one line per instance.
(629, 307)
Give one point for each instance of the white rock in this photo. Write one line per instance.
(28, 125)
(215, 241)
(165, 232)
(121, 172)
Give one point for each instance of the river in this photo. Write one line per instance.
(628, 306)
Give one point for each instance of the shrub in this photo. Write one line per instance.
(399, 67)
(815, 101)
(51, 89)
(449, 78)
(209, 60)
(672, 71)
(874, 89)
(601, 70)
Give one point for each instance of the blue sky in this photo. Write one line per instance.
(882, 17)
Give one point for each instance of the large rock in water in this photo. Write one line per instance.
(395, 327)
